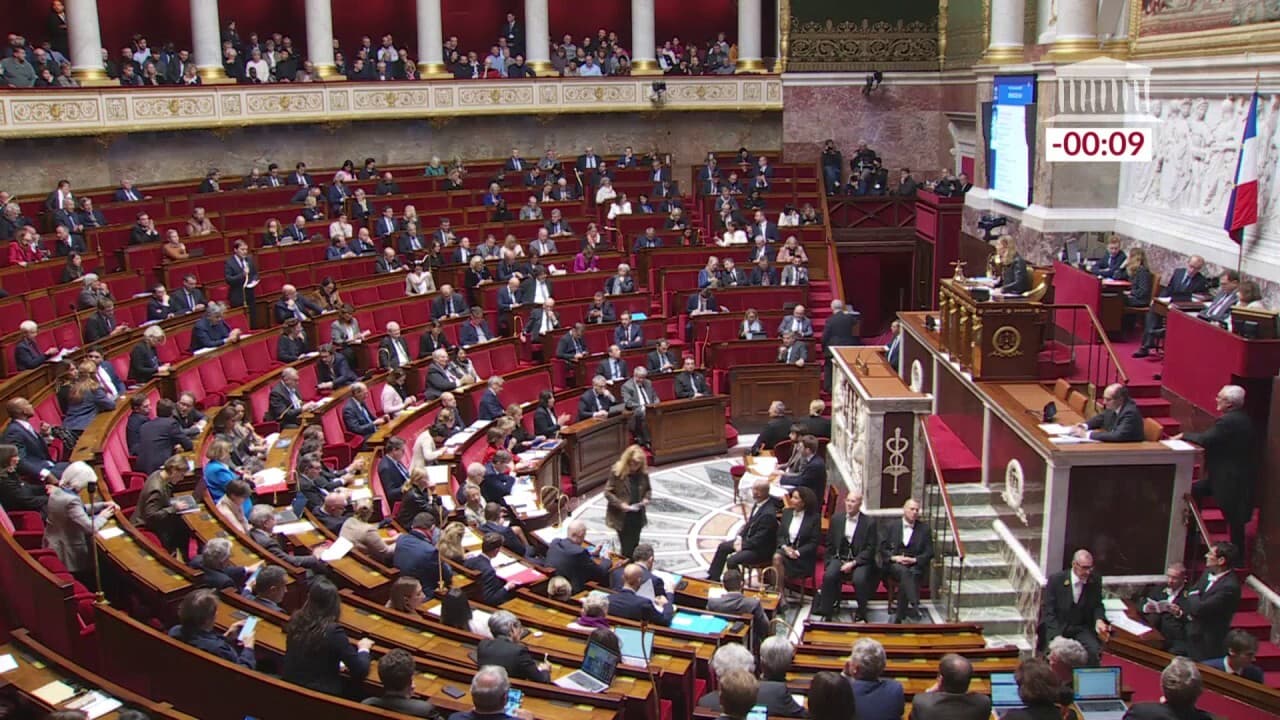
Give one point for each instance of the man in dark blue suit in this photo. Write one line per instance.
(333, 371)
(357, 418)
(416, 555)
(493, 589)
(627, 603)
(1121, 421)
(1112, 265)
(34, 462)
(159, 438)
(476, 330)
(212, 331)
(490, 406)
(642, 557)
(1185, 282)
(1242, 651)
(392, 472)
(241, 273)
(448, 304)
(511, 540)
(28, 352)
(813, 469)
(571, 558)
(498, 480)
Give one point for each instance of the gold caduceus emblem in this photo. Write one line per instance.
(897, 447)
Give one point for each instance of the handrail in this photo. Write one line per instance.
(946, 498)
(834, 277)
(1020, 552)
(1201, 528)
(1097, 326)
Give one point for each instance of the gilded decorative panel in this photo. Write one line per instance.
(1174, 16)
(54, 111)
(110, 109)
(854, 35)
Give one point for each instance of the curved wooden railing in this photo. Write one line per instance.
(1104, 373)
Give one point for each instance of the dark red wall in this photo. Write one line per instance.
(475, 23)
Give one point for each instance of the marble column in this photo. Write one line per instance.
(1007, 21)
(430, 40)
(537, 37)
(1077, 31)
(749, 58)
(319, 17)
(206, 41)
(644, 61)
(85, 38)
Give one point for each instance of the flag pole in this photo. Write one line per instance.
(1238, 235)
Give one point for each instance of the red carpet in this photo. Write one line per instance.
(1145, 684)
(956, 463)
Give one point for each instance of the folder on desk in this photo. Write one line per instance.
(699, 623)
(519, 574)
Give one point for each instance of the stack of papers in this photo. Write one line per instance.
(337, 550)
(110, 532)
(1177, 445)
(1055, 429)
(1070, 440)
(269, 480)
(7, 663)
(294, 528)
(437, 475)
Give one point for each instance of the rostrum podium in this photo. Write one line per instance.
(991, 338)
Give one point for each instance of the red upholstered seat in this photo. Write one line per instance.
(213, 381)
(338, 442)
(234, 368)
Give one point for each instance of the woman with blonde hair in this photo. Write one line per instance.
(1014, 277)
(415, 497)
(85, 400)
(363, 533)
(627, 495)
(559, 588)
(450, 543)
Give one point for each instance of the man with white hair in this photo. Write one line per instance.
(637, 395)
(1064, 656)
(578, 564)
(1180, 688)
(1230, 464)
(506, 650)
(489, 690)
(440, 378)
(758, 538)
(27, 352)
(875, 697)
(839, 330)
(491, 407)
(293, 305)
(1072, 605)
(214, 563)
(393, 351)
(730, 657)
(285, 404)
(357, 418)
(262, 524)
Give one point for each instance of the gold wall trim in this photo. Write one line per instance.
(1235, 40)
(857, 45)
(93, 111)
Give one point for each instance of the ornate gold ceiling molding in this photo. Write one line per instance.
(93, 111)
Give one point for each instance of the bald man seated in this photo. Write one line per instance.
(628, 603)
(1120, 421)
(1072, 606)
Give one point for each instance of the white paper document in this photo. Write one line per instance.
(1177, 444)
(1055, 428)
(7, 663)
(108, 533)
(294, 528)
(1124, 622)
(337, 550)
(1069, 440)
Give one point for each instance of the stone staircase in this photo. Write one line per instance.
(987, 593)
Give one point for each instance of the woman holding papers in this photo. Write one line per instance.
(362, 531)
(628, 494)
(231, 506)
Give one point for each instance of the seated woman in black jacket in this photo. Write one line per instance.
(196, 616)
(315, 644)
(293, 342)
(1139, 276)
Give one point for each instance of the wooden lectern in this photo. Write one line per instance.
(592, 446)
(689, 428)
(993, 339)
(753, 387)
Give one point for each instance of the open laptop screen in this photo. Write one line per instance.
(600, 663)
(1005, 695)
(1097, 683)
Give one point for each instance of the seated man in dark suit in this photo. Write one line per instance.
(852, 542)
(777, 429)
(1121, 421)
(906, 547)
(212, 331)
(333, 371)
(627, 603)
(662, 359)
(357, 418)
(1156, 606)
(262, 524)
(506, 651)
(571, 558)
(491, 407)
(493, 589)
(188, 299)
(476, 330)
(512, 538)
(498, 478)
(416, 555)
(596, 402)
(333, 512)
(613, 368)
(951, 700)
(758, 538)
(734, 602)
(395, 671)
(214, 562)
(293, 305)
(813, 469)
(691, 383)
(1072, 605)
(1242, 654)
(34, 461)
(159, 438)
(448, 304)
(1180, 688)
(1183, 284)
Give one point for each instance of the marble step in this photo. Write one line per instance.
(996, 620)
(980, 540)
(966, 494)
(984, 592)
(982, 566)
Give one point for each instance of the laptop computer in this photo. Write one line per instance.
(636, 645)
(1098, 693)
(599, 665)
(1004, 694)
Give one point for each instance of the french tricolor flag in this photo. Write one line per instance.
(1243, 208)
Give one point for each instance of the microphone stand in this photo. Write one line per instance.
(648, 668)
(99, 595)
